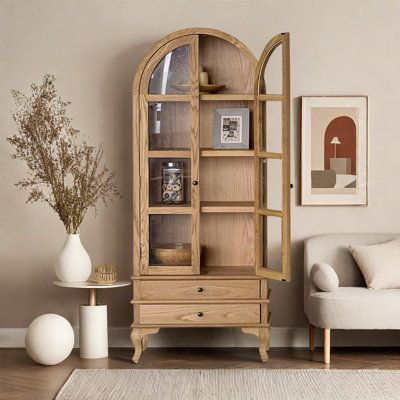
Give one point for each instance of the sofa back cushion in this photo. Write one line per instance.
(379, 263)
(333, 250)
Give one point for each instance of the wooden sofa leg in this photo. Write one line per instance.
(312, 337)
(327, 346)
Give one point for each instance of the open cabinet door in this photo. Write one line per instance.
(272, 160)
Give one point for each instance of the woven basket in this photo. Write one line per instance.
(106, 273)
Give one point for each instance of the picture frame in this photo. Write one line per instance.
(231, 128)
(334, 150)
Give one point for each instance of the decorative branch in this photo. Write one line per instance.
(63, 171)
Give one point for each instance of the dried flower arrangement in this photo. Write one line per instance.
(64, 171)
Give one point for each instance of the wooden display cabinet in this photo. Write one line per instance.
(234, 208)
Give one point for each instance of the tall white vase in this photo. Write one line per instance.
(73, 263)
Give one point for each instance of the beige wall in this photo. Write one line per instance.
(93, 47)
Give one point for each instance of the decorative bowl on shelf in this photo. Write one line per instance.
(211, 88)
(172, 253)
(203, 88)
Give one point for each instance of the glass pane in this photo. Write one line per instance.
(169, 182)
(169, 125)
(170, 239)
(273, 73)
(172, 74)
(272, 239)
(272, 126)
(271, 184)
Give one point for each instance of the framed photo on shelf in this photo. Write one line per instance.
(334, 150)
(231, 128)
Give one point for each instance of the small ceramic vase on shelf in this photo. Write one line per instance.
(73, 263)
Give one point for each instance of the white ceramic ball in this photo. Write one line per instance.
(49, 339)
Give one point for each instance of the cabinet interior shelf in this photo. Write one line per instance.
(226, 153)
(227, 206)
(211, 272)
(185, 153)
(206, 207)
(227, 97)
(213, 97)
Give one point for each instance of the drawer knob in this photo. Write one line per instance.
(195, 183)
(200, 314)
(199, 289)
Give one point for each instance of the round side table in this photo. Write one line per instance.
(93, 333)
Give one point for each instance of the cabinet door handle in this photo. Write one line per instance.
(200, 314)
(195, 183)
(199, 289)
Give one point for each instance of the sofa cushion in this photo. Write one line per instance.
(379, 264)
(324, 277)
(355, 308)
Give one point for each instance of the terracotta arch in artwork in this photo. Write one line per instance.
(344, 128)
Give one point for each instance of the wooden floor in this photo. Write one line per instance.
(21, 378)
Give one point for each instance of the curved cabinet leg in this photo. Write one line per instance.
(263, 340)
(139, 340)
(145, 341)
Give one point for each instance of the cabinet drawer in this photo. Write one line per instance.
(199, 314)
(200, 289)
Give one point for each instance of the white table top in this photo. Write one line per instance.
(91, 285)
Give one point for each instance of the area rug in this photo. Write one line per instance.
(231, 384)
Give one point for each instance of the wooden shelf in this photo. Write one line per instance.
(169, 153)
(227, 206)
(168, 97)
(183, 209)
(226, 97)
(226, 153)
(270, 97)
(212, 272)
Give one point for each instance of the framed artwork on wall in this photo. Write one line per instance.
(231, 128)
(334, 150)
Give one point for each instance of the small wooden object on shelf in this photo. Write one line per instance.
(106, 273)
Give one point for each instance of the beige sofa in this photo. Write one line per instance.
(352, 305)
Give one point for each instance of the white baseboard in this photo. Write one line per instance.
(228, 337)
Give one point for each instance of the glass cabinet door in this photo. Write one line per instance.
(272, 166)
(170, 210)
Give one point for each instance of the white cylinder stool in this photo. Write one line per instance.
(93, 336)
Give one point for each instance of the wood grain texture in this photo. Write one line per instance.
(219, 272)
(260, 127)
(327, 346)
(263, 338)
(184, 32)
(227, 207)
(222, 211)
(219, 56)
(226, 153)
(195, 156)
(198, 289)
(195, 314)
(227, 239)
(216, 186)
(227, 96)
(139, 341)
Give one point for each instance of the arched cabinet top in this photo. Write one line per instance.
(175, 40)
